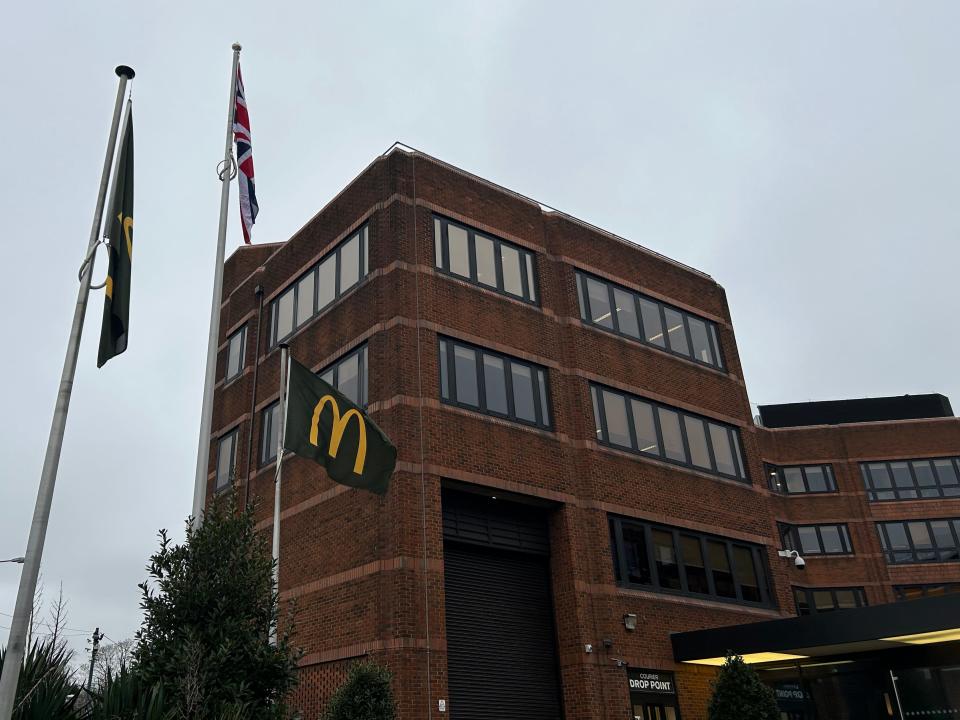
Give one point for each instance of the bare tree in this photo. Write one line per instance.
(57, 620)
(110, 658)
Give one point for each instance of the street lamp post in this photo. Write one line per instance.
(14, 560)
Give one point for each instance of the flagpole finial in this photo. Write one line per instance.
(125, 71)
(236, 47)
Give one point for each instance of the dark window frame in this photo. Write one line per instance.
(874, 492)
(899, 591)
(363, 236)
(778, 484)
(234, 436)
(713, 338)
(530, 296)
(790, 536)
(891, 555)
(267, 454)
(741, 474)
(242, 332)
(808, 592)
(445, 343)
(621, 571)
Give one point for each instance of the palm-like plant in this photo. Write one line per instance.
(45, 690)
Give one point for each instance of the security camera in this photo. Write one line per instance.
(798, 562)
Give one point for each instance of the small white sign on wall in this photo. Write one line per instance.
(442, 705)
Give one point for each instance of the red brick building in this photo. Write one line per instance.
(579, 471)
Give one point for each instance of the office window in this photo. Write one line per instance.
(672, 560)
(341, 269)
(484, 259)
(812, 601)
(650, 321)
(801, 479)
(912, 479)
(920, 541)
(236, 349)
(645, 427)
(226, 459)
(817, 539)
(912, 592)
(269, 433)
(493, 383)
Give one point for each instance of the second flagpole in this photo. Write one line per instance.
(227, 172)
(281, 436)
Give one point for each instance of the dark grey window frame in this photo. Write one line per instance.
(363, 235)
(269, 454)
(778, 484)
(873, 492)
(242, 332)
(234, 436)
(858, 592)
(899, 591)
(891, 554)
(790, 536)
(531, 295)
(713, 337)
(621, 571)
(733, 434)
(539, 403)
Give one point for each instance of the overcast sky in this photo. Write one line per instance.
(805, 155)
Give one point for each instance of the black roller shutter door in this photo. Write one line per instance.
(501, 649)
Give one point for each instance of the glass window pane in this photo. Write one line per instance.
(718, 358)
(722, 451)
(646, 431)
(285, 315)
(626, 313)
(444, 372)
(615, 412)
(437, 243)
(803, 604)
(924, 473)
(946, 472)
(486, 261)
(544, 404)
(495, 382)
(879, 475)
(676, 335)
(652, 327)
(897, 536)
(459, 250)
(305, 299)
(531, 282)
(510, 258)
(823, 601)
(327, 282)
(738, 454)
(920, 534)
(832, 539)
(793, 477)
(583, 307)
(235, 354)
(668, 571)
(365, 242)
(465, 369)
(349, 263)
(596, 413)
(701, 343)
(270, 432)
(327, 377)
(847, 599)
(523, 405)
(809, 543)
(348, 377)
(816, 479)
(901, 475)
(635, 555)
(672, 439)
(599, 303)
(226, 456)
(944, 539)
(697, 439)
(693, 564)
(720, 567)
(746, 573)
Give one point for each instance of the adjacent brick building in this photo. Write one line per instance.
(579, 471)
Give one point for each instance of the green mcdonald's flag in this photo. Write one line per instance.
(119, 230)
(322, 424)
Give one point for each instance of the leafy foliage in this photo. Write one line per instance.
(739, 694)
(208, 607)
(45, 690)
(366, 695)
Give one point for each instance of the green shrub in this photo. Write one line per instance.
(366, 695)
(45, 689)
(739, 694)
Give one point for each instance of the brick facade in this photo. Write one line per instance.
(367, 572)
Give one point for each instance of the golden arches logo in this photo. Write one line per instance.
(127, 224)
(339, 426)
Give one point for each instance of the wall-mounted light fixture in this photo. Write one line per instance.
(630, 621)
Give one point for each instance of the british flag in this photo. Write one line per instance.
(241, 135)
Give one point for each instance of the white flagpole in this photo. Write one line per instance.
(282, 411)
(227, 172)
(16, 643)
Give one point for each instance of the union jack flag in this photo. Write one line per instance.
(241, 135)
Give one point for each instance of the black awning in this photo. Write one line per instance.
(923, 621)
